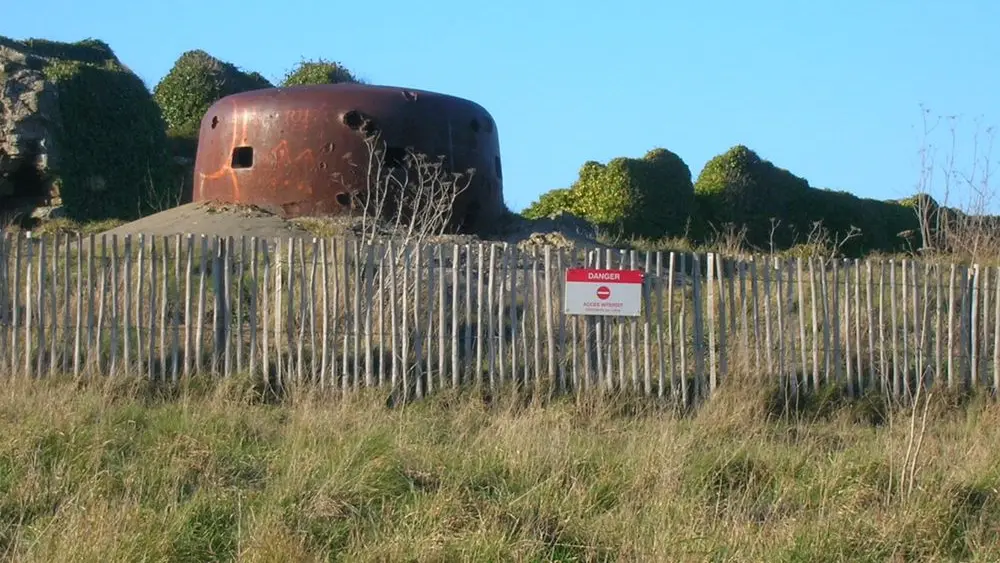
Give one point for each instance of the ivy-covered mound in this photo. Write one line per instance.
(113, 150)
(778, 208)
(884, 226)
(738, 187)
(650, 196)
(196, 81)
(318, 72)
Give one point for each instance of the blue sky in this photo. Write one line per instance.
(829, 89)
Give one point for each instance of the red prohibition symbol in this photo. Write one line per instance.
(603, 293)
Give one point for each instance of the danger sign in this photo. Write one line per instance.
(603, 292)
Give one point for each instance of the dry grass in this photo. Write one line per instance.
(120, 472)
(64, 226)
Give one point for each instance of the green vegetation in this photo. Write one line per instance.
(647, 197)
(318, 72)
(738, 195)
(196, 81)
(739, 187)
(121, 473)
(89, 51)
(781, 210)
(550, 204)
(114, 159)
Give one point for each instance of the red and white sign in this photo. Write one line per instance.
(603, 292)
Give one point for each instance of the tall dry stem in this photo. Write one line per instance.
(954, 205)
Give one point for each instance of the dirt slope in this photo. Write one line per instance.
(212, 220)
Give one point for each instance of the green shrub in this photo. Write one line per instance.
(878, 223)
(114, 160)
(741, 188)
(647, 197)
(113, 151)
(196, 81)
(550, 204)
(318, 72)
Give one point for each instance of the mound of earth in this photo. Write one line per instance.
(212, 220)
(562, 231)
(226, 220)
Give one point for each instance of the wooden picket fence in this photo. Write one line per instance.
(415, 318)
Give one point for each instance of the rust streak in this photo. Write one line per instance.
(307, 156)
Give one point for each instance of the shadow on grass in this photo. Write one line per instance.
(874, 406)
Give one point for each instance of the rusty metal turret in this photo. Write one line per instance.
(301, 151)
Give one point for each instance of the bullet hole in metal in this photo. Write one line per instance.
(329, 147)
(322, 166)
(353, 120)
(242, 157)
(369, 127)
(215, 121)
(343, 199)
(410, 96)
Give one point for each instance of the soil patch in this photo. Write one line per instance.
(213, 220)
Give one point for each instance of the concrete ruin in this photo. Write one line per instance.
(29, 116)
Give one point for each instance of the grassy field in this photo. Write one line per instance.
(123, 473)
